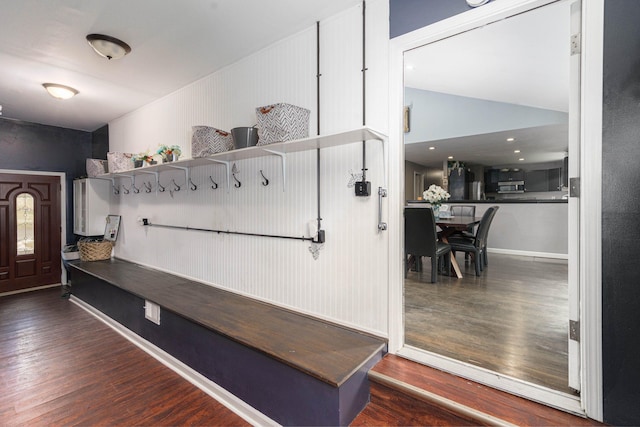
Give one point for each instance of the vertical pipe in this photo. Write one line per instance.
(319, 218)
(364, 89)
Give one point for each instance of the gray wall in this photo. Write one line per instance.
(34, 147)
(621, 207)
(436, 115)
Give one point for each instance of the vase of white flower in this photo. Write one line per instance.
(435, 195)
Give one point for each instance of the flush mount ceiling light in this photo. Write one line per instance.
(107, 46)
(476, 3)
(60, 91)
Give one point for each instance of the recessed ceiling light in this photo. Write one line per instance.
(511, 139)
(516, 151)
(450, 157)
(521, 159)
(432, 148)
(107, 46)
(60, 91)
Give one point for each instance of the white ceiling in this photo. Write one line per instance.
(522, 60)
(173, 44)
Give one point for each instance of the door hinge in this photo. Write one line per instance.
(574, 187)
(574, 330)
(575, 43)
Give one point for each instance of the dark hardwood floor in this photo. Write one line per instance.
(61, 366)
(513, 319)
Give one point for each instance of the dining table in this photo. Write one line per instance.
(451, 225)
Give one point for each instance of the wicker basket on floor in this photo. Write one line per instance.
(95, 251)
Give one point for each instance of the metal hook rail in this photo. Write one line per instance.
(147, 223)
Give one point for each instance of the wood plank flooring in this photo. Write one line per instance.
(513, 319)
(392, 406)
(60, 366)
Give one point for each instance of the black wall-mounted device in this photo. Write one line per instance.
(363, 188)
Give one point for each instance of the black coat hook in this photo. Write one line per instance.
(147, 185)
(265, 181)
(126, 190)
(193, 186)
(160, 187)
(116, 190)
(176, 186)
(238, 184)
(215, 184)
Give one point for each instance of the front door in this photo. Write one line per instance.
(30, 227)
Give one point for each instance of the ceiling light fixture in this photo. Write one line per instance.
(510, 139)
(60, 91)
(432, 148)
(521, 159)
(107, 46)
(516, 151)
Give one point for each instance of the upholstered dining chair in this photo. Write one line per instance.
(464, 210)
(420, 240)
(477, 245)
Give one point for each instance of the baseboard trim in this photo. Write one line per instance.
(534, 254)
(238, 406)
(440, 401)
(22, 291)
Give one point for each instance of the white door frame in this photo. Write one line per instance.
(63, 207)
(590, 401)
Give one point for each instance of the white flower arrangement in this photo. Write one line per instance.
(435, 194)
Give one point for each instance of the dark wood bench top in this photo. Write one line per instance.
(326, 351)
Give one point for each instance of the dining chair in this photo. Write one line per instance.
(463, 210)
(476, 246)
(420, 240)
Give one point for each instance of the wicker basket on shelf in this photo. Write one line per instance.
(95, 250)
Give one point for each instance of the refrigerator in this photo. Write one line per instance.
(459, 182)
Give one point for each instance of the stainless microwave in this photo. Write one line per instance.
(511, 187)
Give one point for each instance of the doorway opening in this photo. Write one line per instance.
(512, 321)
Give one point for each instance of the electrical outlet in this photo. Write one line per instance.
(363, 188)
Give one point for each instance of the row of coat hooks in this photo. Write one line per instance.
(148, 186)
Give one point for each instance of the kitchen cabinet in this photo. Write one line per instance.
(90, 206)
(491, 179)
(536, 180)
(555, 179)
(511, 175)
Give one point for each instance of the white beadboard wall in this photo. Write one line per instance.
(348, 283)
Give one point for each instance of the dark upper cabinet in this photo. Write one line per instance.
(511, 175)
(537, 180)
(491, 179)
(555, 179)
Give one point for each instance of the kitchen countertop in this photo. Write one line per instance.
(493, 202)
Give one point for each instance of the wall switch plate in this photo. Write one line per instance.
(363, 188)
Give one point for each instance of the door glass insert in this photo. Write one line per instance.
(25, 224)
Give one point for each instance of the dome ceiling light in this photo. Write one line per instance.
(107, 46)
(60, 91)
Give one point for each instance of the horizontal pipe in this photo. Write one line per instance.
(180, 227)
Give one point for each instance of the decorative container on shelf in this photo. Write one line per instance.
(169, 153)
(281, 122)
(244, 137)
(96, 167)
(119, 162)
(207, 140)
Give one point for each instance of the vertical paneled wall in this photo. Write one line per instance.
(348, 281)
